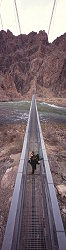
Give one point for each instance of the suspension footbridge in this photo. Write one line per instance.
(34, 221)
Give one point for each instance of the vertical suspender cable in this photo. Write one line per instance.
(17, 16)
(51, 16)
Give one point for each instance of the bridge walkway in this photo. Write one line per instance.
(32, 229)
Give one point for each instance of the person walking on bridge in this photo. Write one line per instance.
(33, 160)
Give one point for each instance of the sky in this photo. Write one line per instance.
(34, 15)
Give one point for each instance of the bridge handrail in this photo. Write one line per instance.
(55, 221)
(11, 233)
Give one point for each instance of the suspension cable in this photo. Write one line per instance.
(17, 16)
(1, 16)
(51, 16)
(1, 21)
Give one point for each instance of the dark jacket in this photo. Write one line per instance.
(34, 160)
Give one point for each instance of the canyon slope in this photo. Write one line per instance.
(30, 62)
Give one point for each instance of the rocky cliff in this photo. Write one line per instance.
(30, 62)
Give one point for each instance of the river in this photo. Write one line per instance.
(18, 112)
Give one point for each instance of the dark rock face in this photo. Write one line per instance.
(30, 61)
